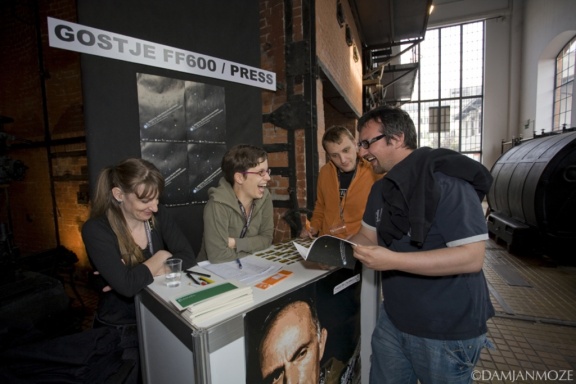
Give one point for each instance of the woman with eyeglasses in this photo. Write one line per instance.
(238, 218)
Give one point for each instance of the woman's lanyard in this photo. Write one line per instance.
(248, 218)
(149, 236)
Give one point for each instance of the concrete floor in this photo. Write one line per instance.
(534, 330)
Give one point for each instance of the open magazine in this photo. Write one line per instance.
(329, 250)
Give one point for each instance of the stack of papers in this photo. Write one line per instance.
(213, 301)
(252, 271)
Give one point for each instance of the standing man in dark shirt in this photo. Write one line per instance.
(424, 228)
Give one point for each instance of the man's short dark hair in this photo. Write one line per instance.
(393, 122)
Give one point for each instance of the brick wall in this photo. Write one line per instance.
(71, 186)
(44, 98)
(335, 55)
(334, 117)
(272, 45)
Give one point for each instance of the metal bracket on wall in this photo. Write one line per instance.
(291, 115)
(299, 111)
(278, 148)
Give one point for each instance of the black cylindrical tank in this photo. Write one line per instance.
(535, 183)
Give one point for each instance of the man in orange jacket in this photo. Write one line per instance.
(343, 187)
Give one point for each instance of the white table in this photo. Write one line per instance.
(175, 350)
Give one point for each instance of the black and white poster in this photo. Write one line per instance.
(183, 133)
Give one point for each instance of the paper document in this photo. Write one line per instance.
(213, 301)
(207, 313)
(252, 270)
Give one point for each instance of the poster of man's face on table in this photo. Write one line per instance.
(306, 336)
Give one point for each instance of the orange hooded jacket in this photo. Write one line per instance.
(327, 208)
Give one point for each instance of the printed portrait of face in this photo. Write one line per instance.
(292, 346)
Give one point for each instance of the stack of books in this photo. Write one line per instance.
(212, 301)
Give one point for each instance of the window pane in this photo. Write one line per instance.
(450, 62)
(429, 66)
(472, 59)
(448, 111)
(428, 137)
(563, 86)
(450, 138)
(471, 125)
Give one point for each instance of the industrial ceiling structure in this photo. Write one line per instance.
(387, 29)
(385, 26)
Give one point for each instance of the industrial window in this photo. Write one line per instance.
(446, 103)
(440, 119)
(563, 83)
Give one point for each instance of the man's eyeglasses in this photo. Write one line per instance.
(262, 173)
(367, 143)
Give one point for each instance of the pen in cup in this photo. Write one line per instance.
(239, 263)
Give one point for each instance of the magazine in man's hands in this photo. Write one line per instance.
(329, 250)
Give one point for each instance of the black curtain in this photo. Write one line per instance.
(227, 30)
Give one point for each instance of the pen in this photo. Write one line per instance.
(199, 273)
(193, 279)
(239, 263)
(206, 280)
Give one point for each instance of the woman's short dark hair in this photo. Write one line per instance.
(241, 158)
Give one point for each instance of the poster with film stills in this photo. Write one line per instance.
(183, 133)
